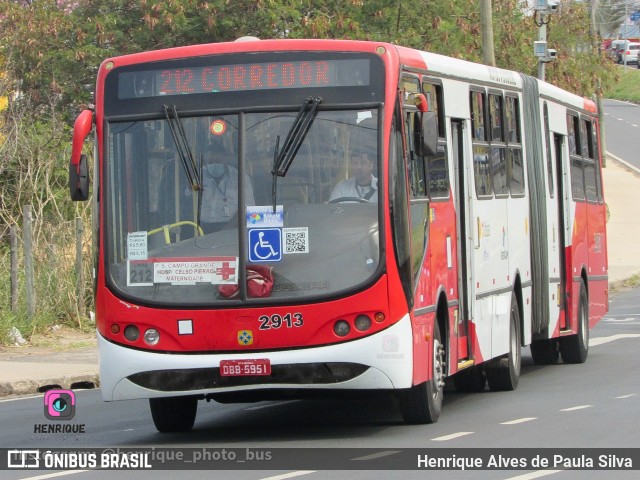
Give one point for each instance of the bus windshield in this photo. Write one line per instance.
(173, 241)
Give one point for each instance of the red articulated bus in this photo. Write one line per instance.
(283, 217)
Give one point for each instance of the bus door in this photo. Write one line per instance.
(464, 243)
(562, 203)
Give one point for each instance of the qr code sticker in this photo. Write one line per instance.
(296, 240)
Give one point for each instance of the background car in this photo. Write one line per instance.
(614, 48)
(630, 53)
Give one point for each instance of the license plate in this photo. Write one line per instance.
(245, 368)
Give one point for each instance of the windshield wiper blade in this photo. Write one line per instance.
(282, 159)
(183, 148)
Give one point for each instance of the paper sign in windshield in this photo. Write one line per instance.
(218, 272)
(178, 271)
(137, 245)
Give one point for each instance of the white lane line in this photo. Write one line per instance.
(519, 420)
(579, 407)
(451, 437)
(532, 475)
(601, 340)
(53, 475)
(373, 456)
(289, 475)
(260, 407)
(20, 398)
(628, 396)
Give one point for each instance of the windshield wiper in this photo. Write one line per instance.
(282, 159)
(183, 148)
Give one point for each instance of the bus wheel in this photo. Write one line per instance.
(422, 403)
(472, 379)
(173, 414)
(574, 348)
(545, 352)
(503, 373)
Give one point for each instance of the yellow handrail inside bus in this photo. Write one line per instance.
(197, 230)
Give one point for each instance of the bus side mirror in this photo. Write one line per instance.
(79, 179)
(426, 134)
(78, 167)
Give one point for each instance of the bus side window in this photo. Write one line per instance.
(577, 163)
(416, 162)
(437, 166)
(514, 146)
(481, 153)
(499, 173)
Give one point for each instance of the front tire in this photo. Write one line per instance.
(503, 373)
(422, 403)
(575, 348)
(174, 414)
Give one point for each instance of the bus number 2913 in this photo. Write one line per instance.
(289, 320)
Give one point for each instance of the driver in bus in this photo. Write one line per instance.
(220, 191)
(363, 185)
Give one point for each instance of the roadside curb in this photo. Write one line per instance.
(622, 162)
(32, 387)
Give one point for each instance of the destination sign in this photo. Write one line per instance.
(244, 77)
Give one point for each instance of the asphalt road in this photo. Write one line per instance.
(622, 130)
(594, 405)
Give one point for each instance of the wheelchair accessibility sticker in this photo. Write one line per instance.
(265, 245)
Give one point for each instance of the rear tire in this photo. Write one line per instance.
(575, 348)
(422, 403)
(174, 414)
(503, 373)
(545, 352)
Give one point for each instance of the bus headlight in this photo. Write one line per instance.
(362, 323)
(151, 336)
(131, 333)
(341, 328)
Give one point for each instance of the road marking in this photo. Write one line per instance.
(19, 398)
(373, 456)
(129, 430)
(53, 475)
(519, 420)
(628, 396)
(290, 475)
(451, 437)
(260, 407)
(579, 407)
(600, 340)
(532, 475)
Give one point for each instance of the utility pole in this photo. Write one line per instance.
(595, 39)
(486, 23)
(543, 10)
(542, 37)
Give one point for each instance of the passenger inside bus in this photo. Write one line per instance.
(220, 191)
(362, 186)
